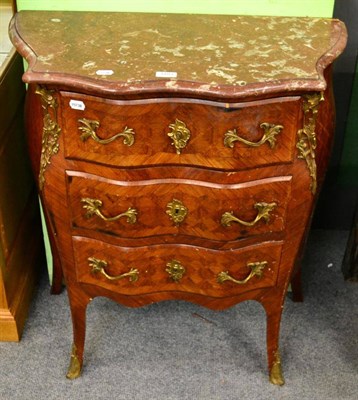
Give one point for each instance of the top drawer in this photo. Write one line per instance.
(180, 131)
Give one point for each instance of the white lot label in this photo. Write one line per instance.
(165, 74)
(77, 105)
(104, 72)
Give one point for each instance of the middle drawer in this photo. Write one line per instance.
(178, 207)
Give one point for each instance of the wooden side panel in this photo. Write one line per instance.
(22, 270)
(20, 229)
(16, 180)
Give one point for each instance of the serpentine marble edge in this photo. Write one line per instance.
(179, 52)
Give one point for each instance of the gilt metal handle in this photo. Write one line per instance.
(97, 265)
(92, 207)
(256, 270)
(263, 209)
(269, 136)
(179, 134)
(90, 127)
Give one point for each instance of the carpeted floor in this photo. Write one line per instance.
(180, 351)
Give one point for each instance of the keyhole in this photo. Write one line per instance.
(176, 211)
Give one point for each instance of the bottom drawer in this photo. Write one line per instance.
(183, 268)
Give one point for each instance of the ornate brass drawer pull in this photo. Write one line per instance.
(269, 136)
(175, 270)
(100, 265)
(176, 211)
(256, 270)
(92, 207)
(89, 131)
(179, 134)
(264, 210)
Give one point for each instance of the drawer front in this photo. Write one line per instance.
(143, 270)
(180, 132)
(167, 207)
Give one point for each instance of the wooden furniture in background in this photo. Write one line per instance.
(20, 227)
(178, 156)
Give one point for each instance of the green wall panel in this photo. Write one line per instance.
(315, 8)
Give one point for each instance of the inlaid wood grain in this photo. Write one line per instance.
(205, 202)
(207, 121)
(202, 267)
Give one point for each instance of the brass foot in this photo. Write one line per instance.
(74, 370)
(276, 376)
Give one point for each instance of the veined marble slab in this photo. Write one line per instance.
(132, 52)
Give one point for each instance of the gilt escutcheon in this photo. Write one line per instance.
(176, 211)
(179, 134)
(175, 270)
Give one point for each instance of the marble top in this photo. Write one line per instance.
(132, 52)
